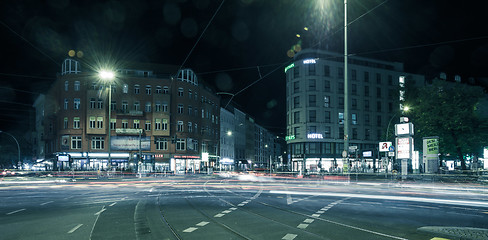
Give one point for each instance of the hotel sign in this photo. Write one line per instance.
(315, 136)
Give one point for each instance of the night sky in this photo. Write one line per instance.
(244, 41)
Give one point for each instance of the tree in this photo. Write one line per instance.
(450, 111)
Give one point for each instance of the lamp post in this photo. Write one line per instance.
(346, 91)
(18, 146)
(108, 76)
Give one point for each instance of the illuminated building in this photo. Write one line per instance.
(315, 108)
(162, 119)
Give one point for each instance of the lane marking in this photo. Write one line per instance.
(16, 211)
(289, 236)
(42, 204)
(233, 208)
(219, 215)
(387, 197)
(101, 211)
(75, 228)
(190, 229)
(302, 226)
(308, 220)
(226, 211)
(241, 204)
(315, 215)
(111, 205)
(201, 224)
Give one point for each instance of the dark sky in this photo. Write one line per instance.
(245, 40)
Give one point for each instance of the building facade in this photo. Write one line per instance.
(315, 109)
(160, 121)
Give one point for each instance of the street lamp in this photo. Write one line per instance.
(108, 77)
(405, 109)
(18, 146)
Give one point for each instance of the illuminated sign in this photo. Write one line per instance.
(291, 137)
(289, 66)
(315, 136)
(309, 61)
(385, 146)
(368, 154)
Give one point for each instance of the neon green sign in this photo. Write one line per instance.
(289, 66)
(291, 137)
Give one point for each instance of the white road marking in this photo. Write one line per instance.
(219, 215)
(308, 220)
(42, 204)
(316, 215)
(289, 236)
(226, 211)
(395, 198)
(233, 208)
(190, 229)
(111, 205)
(16, 211)
(101, 211)
(320, 212)
(201, 224)
(302, 226)
(75, 228)
(241, 204)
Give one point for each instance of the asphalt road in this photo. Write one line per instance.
(241, 207)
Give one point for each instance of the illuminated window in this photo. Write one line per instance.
(136, 124)
(93, 122)
(76, 103)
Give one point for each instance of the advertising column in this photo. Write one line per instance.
(404, 144)
(431, 154)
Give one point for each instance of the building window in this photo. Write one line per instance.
(354, 89)
(378, 106)
(366, 104)
(125, 88)
(367, 134)
(190, 127)
(113, 124)
(137, 106)
(77, 85)
(327, 132)
(65, 123)
(341, 101)
(341, 118)
(147, 125)
(378, 92)
(312, 100)
(98, 143)
(165, 125)
(296, 117)
(390, 80)
(180, 144)
(327, 70)
(148, 107)
(100, 104)
(179, 126)
(340, 87)
(326, 101)
(378, 120)
(165, 90)
(311, 70)
(66, 103)
(366, 91)
(366, 119)
(296, 72)
(189, 93)
(180, 92)
(296, 102)
(161, 144)
(340, 72)
(165, 107)
(137, 89)
(148, 89)
(136, 124)
(296, 132)
(93, 122)
(353, 75)
(76, 103)
(180, 108)
(341, 133)
(76, 142)
(66, 85)
(159, 90)
(125, 123)
(296, 87)
(327, 117)
(76, 123)
(327, 85)
(190, 110)
(312, 116)
(354, 118)
(125, 106)
(99, 122)
(157, 124)
(157, 106)
(312, 85)
(354, 103)
(366, 76)
(354, 133)
(93, 103)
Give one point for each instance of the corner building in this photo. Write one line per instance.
(161, 120)
(315, 109)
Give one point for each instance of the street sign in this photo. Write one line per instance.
(391, 154)
(344, 154)
(391, 149)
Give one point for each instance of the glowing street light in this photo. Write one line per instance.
(108, 76)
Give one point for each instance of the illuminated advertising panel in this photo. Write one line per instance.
(130, 143)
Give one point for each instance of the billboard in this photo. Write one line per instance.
(404, 146)
(431, 154)
(384, 146)
(130, 143)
